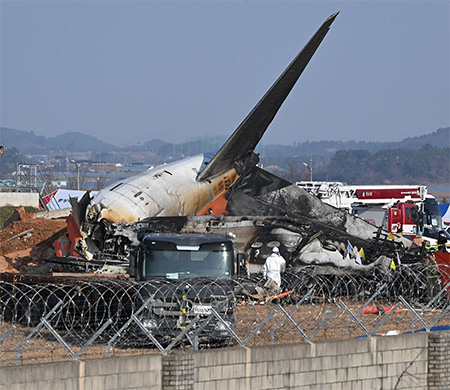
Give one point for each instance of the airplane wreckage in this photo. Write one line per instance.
(227, 193)
(124, 228)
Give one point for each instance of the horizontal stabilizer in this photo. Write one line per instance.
(245, 138)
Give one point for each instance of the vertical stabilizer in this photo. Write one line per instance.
(245, 138)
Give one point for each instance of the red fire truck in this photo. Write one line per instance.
(393, 207)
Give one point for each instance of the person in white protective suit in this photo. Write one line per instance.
(273, 267)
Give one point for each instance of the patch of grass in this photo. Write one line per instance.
(7, 211)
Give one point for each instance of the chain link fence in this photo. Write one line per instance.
(98, 317)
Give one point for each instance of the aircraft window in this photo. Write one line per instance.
(137, 194)
(117, 186)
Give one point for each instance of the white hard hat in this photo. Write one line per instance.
(275, 249)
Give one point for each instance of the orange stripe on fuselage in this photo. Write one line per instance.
(216, 207)
(220, 188)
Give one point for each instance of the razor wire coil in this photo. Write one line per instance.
(317, 305)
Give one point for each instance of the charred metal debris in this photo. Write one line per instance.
(289, 218)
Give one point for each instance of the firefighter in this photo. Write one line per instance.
(418, 239)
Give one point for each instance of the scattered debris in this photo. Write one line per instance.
(26, 233)
(380, 310)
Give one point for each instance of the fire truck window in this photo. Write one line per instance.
(414, 216)
(408, 214)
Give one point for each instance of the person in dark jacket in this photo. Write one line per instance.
(442, 242)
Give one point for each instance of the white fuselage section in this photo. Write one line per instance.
(167, 190)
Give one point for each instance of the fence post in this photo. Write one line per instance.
(414, 313)
(311, 290)
(92, 339)
(37, 328)
(8, 332)
(381, 288)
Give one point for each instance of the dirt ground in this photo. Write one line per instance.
(44, 348)
(25, 243)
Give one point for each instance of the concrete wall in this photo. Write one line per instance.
(17, 199)
(132, 372)
(415, 361)
(364, 363)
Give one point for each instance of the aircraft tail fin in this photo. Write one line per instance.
(245, 138)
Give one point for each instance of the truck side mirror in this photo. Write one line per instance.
(414, 215)
(420, 219)
(132, 265)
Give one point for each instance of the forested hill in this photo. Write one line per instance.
(424, 159)
(27, 142)
(439, 138)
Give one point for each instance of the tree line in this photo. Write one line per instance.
(427, 165)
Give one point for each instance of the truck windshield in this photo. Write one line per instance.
(182, 264)
(432, 221)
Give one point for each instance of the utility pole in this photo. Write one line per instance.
(310, 170)
(78, 173)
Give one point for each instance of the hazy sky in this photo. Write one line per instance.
(129, 71)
